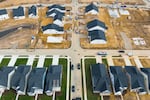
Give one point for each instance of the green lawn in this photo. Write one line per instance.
(35, 62)
(4, 62)
(21, 61)
(9, 95)
(25, 97)
(48, 62)
(105, 62)
(90, 94)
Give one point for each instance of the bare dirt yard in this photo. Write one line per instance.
(145, 62)
(119, 62)
(111, 1)
(7, 3)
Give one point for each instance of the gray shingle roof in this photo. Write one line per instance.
(36, 79)
(3, 11)
(4, 72)
(18, 81)
(18, 12)
(147, 72)
(96, 22)
(56, 12)
(90, 7)
(56, 6)
(137, 79)
(100, 78)
(52, 26)
(97, 34)
(32, 10)
(54, 73)
(120, 77)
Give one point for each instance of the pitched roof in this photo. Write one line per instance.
(33, 10)
(56, 6)
(96, 22)
(90, 7)
(4, 72)
(137, 79)
(52, 26)
(96, 34)
(3, 11)
(36, 79)
(18, 11)
(55, 12)
(54, 73)
(58, 17)
(120, 77)
(100, 78)
(147, 72)
(18, 80)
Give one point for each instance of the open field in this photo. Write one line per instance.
(132, 61)
(119, 62)
(145, 63)
(7, 3)
(111, 1)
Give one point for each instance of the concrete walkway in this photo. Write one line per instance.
(1, 58)
(98, 59)
(110, 61)
(55, 60)
(68, 78)
(13, 60)
(127, 61)
(30, 60)
(41, 61)
(137, 62)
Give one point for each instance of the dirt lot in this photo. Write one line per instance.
(144, 97)
(8, 3)
(145, 62)
(119, 62)
(111, 1)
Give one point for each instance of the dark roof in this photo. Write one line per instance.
(4, 72)
(120, 77)
(52, 26)
(54, 73)
(100, 78)
(91, 7)
(96, 22)
(18, 80)
(137, 79)
(147, 72)
(58, 17)
(32, 10)
(56, 12)
(97, 34)
(56, 6)
(3, 11)
(36, 79)
(18, 11)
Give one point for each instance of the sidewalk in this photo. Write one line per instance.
(40, 63)
(55, 60)
(110, 61)
(30, 60)
(13, 60)
(98, 59)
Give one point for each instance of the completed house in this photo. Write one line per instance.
(33, 12)
(91, 9)
(18, 13)
(3, 14)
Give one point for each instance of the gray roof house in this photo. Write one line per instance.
(56, 6)
(54, 12)
(97, 37)
(36, 81)
(136, 79)
(18, 13)
(96, 25)
(5, 77)
(53, 79)
(19, 79)
(32, 12)
(91, 9)
(52, 29)
(3, 14)
(100, 79)
(119, 79)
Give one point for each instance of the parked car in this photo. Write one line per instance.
(73, 88)
(102, 53)
(72, 67)
(121, 51)
(78, 65)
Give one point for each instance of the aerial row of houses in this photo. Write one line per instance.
(117, 79)
(24, 79)
(57, 12)
(96, 28)
(19, 13)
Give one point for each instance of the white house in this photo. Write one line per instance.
(18, 13)
(33, 12)
(3, 14)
